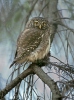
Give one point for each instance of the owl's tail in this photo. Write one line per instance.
(14, 62)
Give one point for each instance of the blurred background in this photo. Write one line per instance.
(14, 14)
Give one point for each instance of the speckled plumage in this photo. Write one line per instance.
(34, 42)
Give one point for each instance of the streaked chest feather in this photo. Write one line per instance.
(40, 52)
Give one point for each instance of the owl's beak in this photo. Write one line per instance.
(40, 26)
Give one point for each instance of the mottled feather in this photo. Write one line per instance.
(34, 42)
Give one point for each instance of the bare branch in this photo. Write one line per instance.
(64, 67)
(62, 24)
(29, 13)
(47, 80)
(15, 82)
(42, 75)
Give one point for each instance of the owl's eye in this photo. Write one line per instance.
(44, 24)
(36, 23)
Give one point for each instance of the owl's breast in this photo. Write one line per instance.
(41, 51)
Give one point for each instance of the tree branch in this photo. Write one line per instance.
(29, 13)
(52, 9)
(15, 82)
(64, 67)
(52, 15)
(47, 80)
(42, 75)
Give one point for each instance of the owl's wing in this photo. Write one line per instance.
(27, 42)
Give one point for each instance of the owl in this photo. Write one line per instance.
(34, 42)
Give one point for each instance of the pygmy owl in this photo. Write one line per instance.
(34, 42)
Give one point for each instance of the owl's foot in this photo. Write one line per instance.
(42, 62)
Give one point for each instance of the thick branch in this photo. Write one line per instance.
(15, 82)
(42, 75)
(52, 15)
(47, 80)
(52, 10)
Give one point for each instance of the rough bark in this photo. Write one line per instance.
(48, 80)
(15, 82)
(34, 69)
(52, 14)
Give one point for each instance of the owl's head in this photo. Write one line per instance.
(39, 23)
